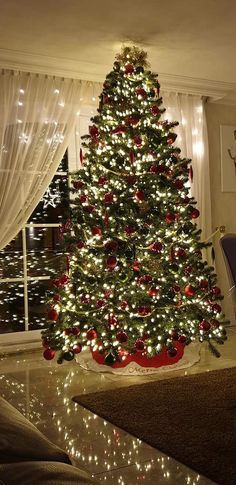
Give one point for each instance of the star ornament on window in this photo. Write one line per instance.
(50, 199)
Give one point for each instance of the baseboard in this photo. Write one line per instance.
(18, 342)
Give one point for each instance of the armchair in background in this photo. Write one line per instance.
(228, 245)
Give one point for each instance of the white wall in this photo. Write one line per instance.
(223, 203)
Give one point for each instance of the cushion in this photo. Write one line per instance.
(42, 473)
(21, 440)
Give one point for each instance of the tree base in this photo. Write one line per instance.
(139, 364)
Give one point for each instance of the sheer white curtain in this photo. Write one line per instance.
(88, 109)
(192, 138)
(37, 116)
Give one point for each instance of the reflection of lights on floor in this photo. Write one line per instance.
(110, 454)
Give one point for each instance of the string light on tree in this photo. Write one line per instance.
(141, 291)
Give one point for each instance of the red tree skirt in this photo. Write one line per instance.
(139, 358)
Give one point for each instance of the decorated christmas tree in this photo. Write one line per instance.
(136, 286)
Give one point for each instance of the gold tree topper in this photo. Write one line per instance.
(134, 55)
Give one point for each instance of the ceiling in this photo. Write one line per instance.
(190, 43)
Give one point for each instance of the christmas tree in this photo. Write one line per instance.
(135, 286)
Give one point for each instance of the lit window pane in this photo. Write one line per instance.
(11, 307)
(11, 259)
(44, 256)
(38, 294)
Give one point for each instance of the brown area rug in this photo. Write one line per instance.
(191, 418)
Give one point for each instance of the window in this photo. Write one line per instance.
(29, 262)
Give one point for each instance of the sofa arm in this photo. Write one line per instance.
(43, 473)
(20, 440)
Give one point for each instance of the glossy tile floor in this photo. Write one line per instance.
(42, 391)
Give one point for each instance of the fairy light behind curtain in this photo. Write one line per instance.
(192, 138)
(188, 110)
(38, 114)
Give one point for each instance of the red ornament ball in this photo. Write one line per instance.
(96, 231)
(132, 120)
(112, 319)
(83, 198)
(178, 184)
(80, 244)
(203, 284)
(129, 230)
(135, 265)
(93, 131)
(188, 270)
(137, 140)
(185, 200)
(154, 169)
(101, 303)
(63, 280)
(171, 138)
(140, 195)
(107, 294)
(216, 308)
(156, 247)
(176, 288)
(89, 208)
(143, 311)
(56, 298)
(108, 198)
(153, 292)
(146, 279)
(124, 305)
(91, 334)
(75, 330)
(119, 130)
(169, 217)
(191, 173)
(106, 85)
(56, 283)
(102, 181)
(162, 169)
(49, 354)
(129, 68)
(205, 325)
(182, 339)
(181, 253)
(77, 348)
(195, 214)
(189, 290)
(139, 345)
(215, 290)
(77, 184)
(141, 92)
(155, 110)
(53, 315)
(122, 337)
(111, 262)
(85, 299)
